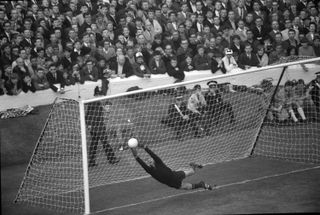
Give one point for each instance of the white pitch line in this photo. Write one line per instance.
(217, 187)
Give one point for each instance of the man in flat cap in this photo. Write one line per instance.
(216, 105)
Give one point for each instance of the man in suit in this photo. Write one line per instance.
(90, 72)
(98, 131)
(259, 31)
(55, 77)
(122, 67)
(27, 39)
(248, 59)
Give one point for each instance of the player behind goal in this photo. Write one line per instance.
(162, 173)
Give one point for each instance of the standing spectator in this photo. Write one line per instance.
(156, 64)
(13, 85)
(183, 50)
(122, 67)
(262, 56)
(200, 60)
(187, 64)
(54, 77)
(228, 61)
(216, 105)
(95, 121)
(90, 72)
(140, 68)
(305, 49)
(175, 71)
(40, 81)
(248, 59)
(28, 85)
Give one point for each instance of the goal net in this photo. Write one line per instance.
(207, 121)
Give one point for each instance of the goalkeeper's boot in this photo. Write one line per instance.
(205, 186)
(196, 165)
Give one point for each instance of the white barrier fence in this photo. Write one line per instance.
(118, 85)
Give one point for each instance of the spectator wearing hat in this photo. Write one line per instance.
(175, 71)
(200, 60)
(314, 91)
(228, 61)
(156, 64)
(305, 49)
(140, 68)
(216, 105)
(95, 120)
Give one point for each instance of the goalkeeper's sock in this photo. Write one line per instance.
(201, 184)
(293, 116)
(301, 113)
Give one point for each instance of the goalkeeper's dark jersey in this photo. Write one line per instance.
(160, 171)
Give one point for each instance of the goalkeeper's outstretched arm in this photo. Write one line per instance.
(146, 167)
(152, 154)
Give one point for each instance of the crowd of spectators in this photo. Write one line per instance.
(49, 42)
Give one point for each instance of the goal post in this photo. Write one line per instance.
(84, 143)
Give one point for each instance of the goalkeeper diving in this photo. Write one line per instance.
(162, 173)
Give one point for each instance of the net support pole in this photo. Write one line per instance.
(84, 159)
(269, 106)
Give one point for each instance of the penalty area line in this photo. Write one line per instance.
(201, 190)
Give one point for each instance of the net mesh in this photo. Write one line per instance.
(237, 114)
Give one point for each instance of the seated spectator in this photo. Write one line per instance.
(27, 85)
(140, 68)
(175, 71)
(200, 60)
(156, 64)
(305, 49)
(122, 67)
(187, 64)
(196, 102)
(248, 59)
(13, 85)
(90, 72)
(228, 61)
(39, 80)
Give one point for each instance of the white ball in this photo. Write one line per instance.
(132, 142)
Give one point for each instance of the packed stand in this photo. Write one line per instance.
(50, 42)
